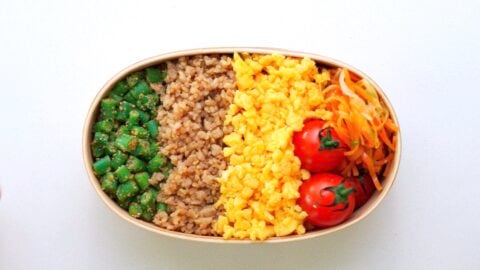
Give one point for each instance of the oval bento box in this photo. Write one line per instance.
(374, 201)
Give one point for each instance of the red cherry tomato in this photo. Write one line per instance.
(318, 148)
(327, 198)
(364, 189)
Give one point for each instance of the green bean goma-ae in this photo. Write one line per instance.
(124, 146)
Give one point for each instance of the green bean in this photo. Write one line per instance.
(102, 165)
(108, 107)
(108, 183)
(142, 149)
(162, 207)
(144, 117)
(135, 210)
(141, 88)
(148, 102)
(152, 127)
(147, 199)
(118, 159)
(133, 118)
(123, 174)
(122, 130)
(130, 98)
(97, 150)
(104, 126)
(156, 163)
(124, 110)
(110, 148)
(135, 164)
(108, 104)
(126, 203)
(107, 115)
(142, 180)
(153, 150)
(120, 88)
(148, 214)
(100, 138)
(133, 79)
(139, 132)
(154, 75)
(126, 190)
(126, 143)
(115, 97)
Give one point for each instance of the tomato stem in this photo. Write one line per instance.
(341, 193)
(327, 142)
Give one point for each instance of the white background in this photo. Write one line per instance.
(55, 56)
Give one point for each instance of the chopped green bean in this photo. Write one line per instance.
(156, 163)
(110, 148)
(124, 110)
(100, 138)
(115, 97)
(102, 165)
(162, 207)
(153, 150)
(126, 143)
(120, 88)
(135, 164)
(108, 108)
(144, 117)
(142, 180)
(133, 79)
(108, 104)
(108, 183)
(104, 126)
(142, 149)
(122, 130)
(135, 210)
(148, 102)
(123, 174)
(152, 127)
(126, 203)
(129, 97)
(126, 190)
(97, 150)
(148, 214)
(133, 118)
(154, 75)
(118, 159)
(147, 199)
(140, 132)
(108, 115)
(141, 88)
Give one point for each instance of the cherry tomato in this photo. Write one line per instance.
(318, 148)
(364, 189)
(327, 198)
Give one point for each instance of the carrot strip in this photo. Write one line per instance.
(386, 140)
(391, 126)
(362, 122)
(371, 170)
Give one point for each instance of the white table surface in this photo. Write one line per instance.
(55, 56)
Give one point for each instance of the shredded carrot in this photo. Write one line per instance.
(361, 121)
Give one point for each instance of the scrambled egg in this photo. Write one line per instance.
(259, 189)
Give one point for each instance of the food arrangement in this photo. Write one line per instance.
(242, 146)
